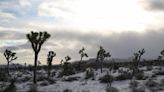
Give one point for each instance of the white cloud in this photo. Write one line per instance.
(6, 16)
(89, 15)
(25, 3)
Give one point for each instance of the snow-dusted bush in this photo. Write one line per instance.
(44, 83)
(111, 89)
(11, 87)
(124, 76)
(24, 79)
(151, 83)
(140, 75)
(162, 82)
(70, 79)
(68, 69)
(107, 79)
(140, 89)
(3, 76)
(33, 88)
(134, 84)
(41, 78)
(149, 68)
(89, 73)
(160, 72)
(67, 90)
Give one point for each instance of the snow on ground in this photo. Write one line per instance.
(83, 85)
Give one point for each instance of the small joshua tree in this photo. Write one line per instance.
(37, 39)
(67, 67)
(10, 56)
(50, 55)
(101, 55)
(82, 54)
(61, 62)
(161, 56)
(137, 59)
(67, 58)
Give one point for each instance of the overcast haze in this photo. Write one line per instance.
(120, 26)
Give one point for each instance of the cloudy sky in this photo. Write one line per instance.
(120, 26)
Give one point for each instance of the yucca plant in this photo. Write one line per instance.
(137, 59)
(37, 39)
(82, 55)
(51, 55)
(101, 55)
(10, 56)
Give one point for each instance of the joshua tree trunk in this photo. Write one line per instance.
(101, 65)
(49, 70)
(80, 64)
(35, 67)
(8, 68)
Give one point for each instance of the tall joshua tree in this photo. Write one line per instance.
(10, 56)
(101, 55)
(82, 54)
(137, 58)
(51, 55)
(37, 39)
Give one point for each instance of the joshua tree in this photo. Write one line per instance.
(101, 55)
(50, 55)
(37, 39)
(137, 58)
(67, 58)
(82, 54)
(61, 62)
(10, 56)
(159, 58)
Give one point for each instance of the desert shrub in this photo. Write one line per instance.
(106, 79)
(53, 73)
(140, 89)
(11, 87)
(89, 73)
(160, 73)
(149, 68)
(140, 75)
(44, 83)
(134, 84)
(111, 89)
(70, 79)
(115, 67)
(3, 76)
(51, 81)
(41, 78)
(162, 82)
(67, 69)
(151, 83)
(67, 90)
(85, 91)
(25, 79)
(33, 88)
(124, 76)
(44, 78)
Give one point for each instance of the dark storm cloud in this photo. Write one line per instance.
(157, 5)
(11, 35)
(120, 45)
